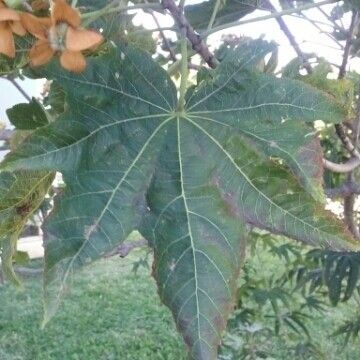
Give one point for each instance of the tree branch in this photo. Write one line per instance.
(354, 162)
(348, 188)
(349, 166)
(348, 44)
(340, 131)
(349, 218)
(164, 38)
(315, 24)
(197, 43)
(290, 37)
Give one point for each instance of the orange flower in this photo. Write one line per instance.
(38, 5)
(60, 34)
(9, 24)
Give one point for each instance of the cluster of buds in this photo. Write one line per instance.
(60, 34)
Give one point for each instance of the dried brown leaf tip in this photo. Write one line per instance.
(9, 25)
(60, 34)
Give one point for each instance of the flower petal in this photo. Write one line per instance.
(9, 15)
(73, 61)
(7, 45)
(41, 53)
(82, 39)
(40, 5)
(63, 12)
(17, 28)
(36, 26)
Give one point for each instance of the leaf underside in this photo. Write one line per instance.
(189, 181)
(21, 193)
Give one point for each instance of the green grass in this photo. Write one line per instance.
(111, 313)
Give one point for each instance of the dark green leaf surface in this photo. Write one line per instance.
(197, 237)
(27, 116)
(187, 180)
(199, 14)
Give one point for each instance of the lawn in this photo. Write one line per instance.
(113, 313)
(110, 313)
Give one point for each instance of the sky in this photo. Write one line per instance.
(308, 37)
(10, 96)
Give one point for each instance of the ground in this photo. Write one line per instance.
(111, 313)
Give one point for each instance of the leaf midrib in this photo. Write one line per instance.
(189, 228)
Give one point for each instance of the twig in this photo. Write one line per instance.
(349, 166)
(339, 128)
(19, 88)
(349, 218)
(164, 38)
(319, 22)
(266, 17)
(315, 24)
(125, 248)
(349, 200)
(341, 133)
(348, 44)
(197, 43)
(290, 37)
(330, 19)
(346, 189)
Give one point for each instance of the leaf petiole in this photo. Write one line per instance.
(184, 72)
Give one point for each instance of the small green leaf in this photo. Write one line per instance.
(27, 116)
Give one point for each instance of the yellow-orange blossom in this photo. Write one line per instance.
(60, 34)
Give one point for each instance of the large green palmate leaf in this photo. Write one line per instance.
(188, 180)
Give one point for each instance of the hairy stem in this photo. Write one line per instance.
(197, 43)
(184, 72)
(214, 13)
